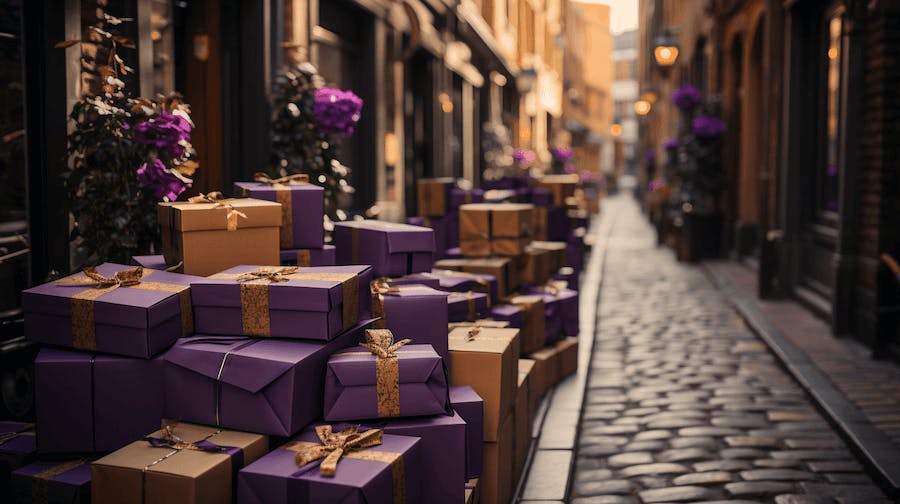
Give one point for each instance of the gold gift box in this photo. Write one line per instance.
(539, 223)
(537, 266)
(546, 369)
(486, 359)
(142, 473)
(497, 476)
(473, 491)
(523, 419)
(503, 269)
(567, 356)
(560, 186)
(534, 395)
(532, 336)
(557, 251)
(487, 229)
(432, 196)
(206, 238)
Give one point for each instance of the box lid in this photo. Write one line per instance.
(356, 366)
(399, 237)
(487, 339)
(150, 302)
(185, 216)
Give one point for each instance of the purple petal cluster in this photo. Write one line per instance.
(671, 144)
(655, 184)
(524, 156)
(687, 97)
(337, 111)
(164, 184)
(706, 126)
(650, 155)
(166, 132)
(562, 154)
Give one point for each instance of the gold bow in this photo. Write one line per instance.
(335, 445)
(381, 343)
(297, 178)
(217, 199)
(124, 278)
(269, 275)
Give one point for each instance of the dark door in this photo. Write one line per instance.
(418, 124)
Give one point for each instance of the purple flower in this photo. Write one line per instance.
(524, 157)
(656, 183)
(163, 182)
(167, 132)
(671, 144)
(562, 154)
(650, 155)
(337, 111)
(687, 97)
(706, 126)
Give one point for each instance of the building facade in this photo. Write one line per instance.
(625, 93)
(805, 91)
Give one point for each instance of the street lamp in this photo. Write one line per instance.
(665, 49)
(642, 107)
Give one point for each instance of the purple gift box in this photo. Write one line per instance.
(569, 275)
(578, 218)
(557, 224)
(500, 196)
(156, 262)
(360, 384)
(364, 476)
(446, 231)
(443, 440)
(453, 253)
(324, 256)
(94, 403)
(461, 281)
(566, 304)
(508, 182)
(575, 251)
(302, 208)
(509, 313)
(541, 196)
(553, 326)
(467, 306)
(425, 278)
(53, 483)
(139, 320)
(269, 386)
(469, 405)
(464, 196)
(402, 309)
(316, 303)
(392, 249)
(17, 448)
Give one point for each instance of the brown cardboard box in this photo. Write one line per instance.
(527, 366)
(537, 266)
(532, 337)
(557, 251)
(501, 267)
(139, 472)
(561, 186)
(487, 229)
(546, 363)
(196, 235)
(567, 351)
(497, 476)
(487, 359)
(539, 223)
(473, 491)
(433, 196)
(523, 419)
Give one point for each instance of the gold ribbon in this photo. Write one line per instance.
(176, 444)
(6, 436)
(283, 196)
(84, 336)
(495, 324)
(387, 370)
(470, 297)
(354, 245)
(255, 294)
(378, 288)
(304, 258)
(553, 287)
(483, 284)
(40, 484)
(477, 332)
(217, 199)
(351, 444)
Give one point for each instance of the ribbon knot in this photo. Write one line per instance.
(219, 200)
(382, 286)
(297, 178)
(381, 343)
(170, 440)
(125, 278)
(335, 445)
(269, 275)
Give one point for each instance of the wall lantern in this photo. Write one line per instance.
(615, 130)
(665, 49)
(642, 107)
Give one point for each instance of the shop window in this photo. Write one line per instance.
(829, 167)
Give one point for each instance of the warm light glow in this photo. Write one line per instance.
(649, 96)
(155, 35)
(665, 55)
(615, 130)
(642, 107)
(391, 149)
(832, 53)
(446, 103)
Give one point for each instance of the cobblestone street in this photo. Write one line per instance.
(684, 403)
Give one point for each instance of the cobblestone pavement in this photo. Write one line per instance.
(685, 404)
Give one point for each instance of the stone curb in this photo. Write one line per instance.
(878, 453)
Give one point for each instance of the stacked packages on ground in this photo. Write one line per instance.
(254, 363)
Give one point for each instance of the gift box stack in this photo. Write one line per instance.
(237, 378)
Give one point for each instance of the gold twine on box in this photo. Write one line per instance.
(378, 288)
(387, 370)
(216, 198)
(84, 336)
(470, 300)
(350, 443)
(304, 258)
(283, 196)
(254, 287)
(40, 484)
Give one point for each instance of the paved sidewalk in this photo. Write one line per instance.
(684, 403)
